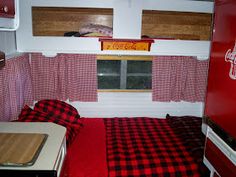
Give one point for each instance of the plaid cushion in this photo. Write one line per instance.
(188, 128)
(146, 147)
(29, 115)
(60, 110)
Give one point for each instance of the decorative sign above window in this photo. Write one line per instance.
(126, 44)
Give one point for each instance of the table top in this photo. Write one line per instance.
(20, 149)
(49, 152)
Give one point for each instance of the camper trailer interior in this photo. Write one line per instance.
(118, 88)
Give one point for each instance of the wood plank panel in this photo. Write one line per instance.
(177, 25)
(56, 21)
(20, 149)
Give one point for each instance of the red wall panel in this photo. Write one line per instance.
(7, 8)
(220, 162)
(221, 94)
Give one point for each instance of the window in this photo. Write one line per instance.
(124, 72)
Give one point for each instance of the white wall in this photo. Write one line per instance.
(124, 104)
(8, 43)
(125, 17)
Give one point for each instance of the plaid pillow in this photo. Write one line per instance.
(29, 115)
(60, 110)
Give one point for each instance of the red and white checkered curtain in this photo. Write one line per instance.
(82, 77)
(15, 87)
(66, 76)
(179, 78)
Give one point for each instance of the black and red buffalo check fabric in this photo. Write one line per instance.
(29, 115)
(58, 109)
(146, 147)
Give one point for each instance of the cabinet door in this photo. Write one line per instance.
(7, 8)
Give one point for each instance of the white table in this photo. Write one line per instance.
(51, 157)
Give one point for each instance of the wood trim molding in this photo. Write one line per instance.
(124, 57)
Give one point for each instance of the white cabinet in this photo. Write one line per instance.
(50, 159)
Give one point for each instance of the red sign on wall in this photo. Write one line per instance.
(221, 97)
(125, 44)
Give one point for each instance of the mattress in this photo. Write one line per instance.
(134, 147)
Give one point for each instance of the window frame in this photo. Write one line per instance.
(123, 74)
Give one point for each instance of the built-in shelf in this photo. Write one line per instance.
(43, 24)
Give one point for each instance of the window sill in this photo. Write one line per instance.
(123, 90)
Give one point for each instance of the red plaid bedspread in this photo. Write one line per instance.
(146, 147)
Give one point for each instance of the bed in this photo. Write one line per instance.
(125, 147)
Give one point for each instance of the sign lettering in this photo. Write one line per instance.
(230, 57)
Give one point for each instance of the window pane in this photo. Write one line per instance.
(108, 82)
(124, 74)
(139, 82)
(139, 67)
(108, 66)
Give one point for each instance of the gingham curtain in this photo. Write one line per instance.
(15, 87)
(179, 78)
(66, 76)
